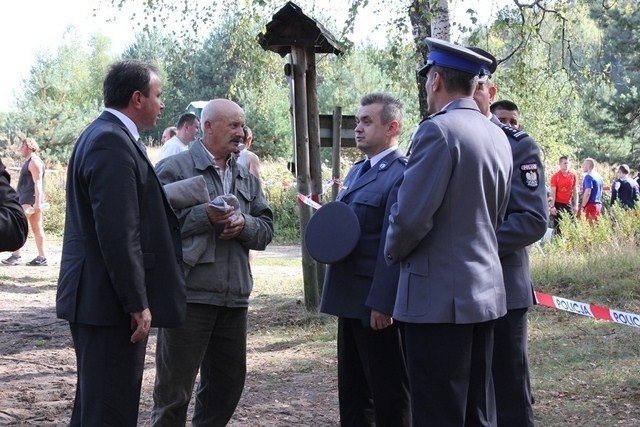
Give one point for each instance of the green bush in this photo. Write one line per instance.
(279, 188)
(53, 219)
(593, 262)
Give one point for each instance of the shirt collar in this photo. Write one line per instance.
(212, 157)
(375, 159)
(131, 127)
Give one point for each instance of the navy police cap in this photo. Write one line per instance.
(449, 55)
(332, 233)
(490, 68)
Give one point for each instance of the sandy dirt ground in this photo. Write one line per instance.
(37, 362)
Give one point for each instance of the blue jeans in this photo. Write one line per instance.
(213, 339)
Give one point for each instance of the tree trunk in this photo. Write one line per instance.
(440, 27)
(429, 18)
(420, 17)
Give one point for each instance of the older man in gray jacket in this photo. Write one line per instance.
(214, 336)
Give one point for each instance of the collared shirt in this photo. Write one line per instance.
(126, 121)
(226, 176)
(375, 159)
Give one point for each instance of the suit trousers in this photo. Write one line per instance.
(450, 374)
(212, 340)
(511, 370)
(373, 387)
(110, 371)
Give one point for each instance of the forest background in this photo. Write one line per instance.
(574, 70)
(571, 66)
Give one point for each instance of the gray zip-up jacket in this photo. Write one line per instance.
(222, 277)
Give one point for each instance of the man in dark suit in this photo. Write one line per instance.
(524, 224)
(373, 386)
(442, 231)
(121, 269)
(13, 222)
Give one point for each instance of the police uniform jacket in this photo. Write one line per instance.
(526, 219)
(443, 228)
(362, 281)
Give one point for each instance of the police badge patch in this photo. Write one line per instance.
(529, 175)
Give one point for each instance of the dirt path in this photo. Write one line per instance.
(288, 383)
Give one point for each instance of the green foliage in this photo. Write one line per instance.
(593, 262)
(60, 97)
(55, 191)
(280, 191)
(618, 106)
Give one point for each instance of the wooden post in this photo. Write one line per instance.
(313, 116)
(309, 266)
(315, 162)
(335, 151)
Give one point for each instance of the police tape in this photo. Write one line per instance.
(308, 201)
(589, 310)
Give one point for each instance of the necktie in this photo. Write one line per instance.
(364, 168)
(141, 144)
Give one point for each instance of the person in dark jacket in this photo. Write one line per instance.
(13, 222)
(624, 189)
(373, 387)
(121, 269)
(525, 223)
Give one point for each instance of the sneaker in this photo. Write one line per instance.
(12, 260)
(38, 262)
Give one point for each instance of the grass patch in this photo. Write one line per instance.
(584, 371)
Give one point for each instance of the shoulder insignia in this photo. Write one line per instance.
(432, 116)
(514, 133)
(529, 175)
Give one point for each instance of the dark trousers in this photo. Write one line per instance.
(212, 340)
(109, 376)
(450, 374)
(511, 370)
(563, 210)
(373, 387)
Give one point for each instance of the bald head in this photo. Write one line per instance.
(222, 124)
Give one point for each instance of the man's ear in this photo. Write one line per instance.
(436, 81)
(492, 94)
(393, 127)
(136, 99)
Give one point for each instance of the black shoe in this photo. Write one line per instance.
(38, 261)
(12, 260)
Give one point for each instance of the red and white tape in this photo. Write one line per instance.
(308, 201)
(589, 310)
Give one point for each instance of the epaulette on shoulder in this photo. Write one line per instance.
(433, 115)
(404, 159)
(514, 133)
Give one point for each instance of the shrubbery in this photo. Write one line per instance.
(596, 263)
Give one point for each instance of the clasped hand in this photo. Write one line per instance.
(232, 227)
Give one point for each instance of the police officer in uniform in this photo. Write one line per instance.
(525, 223)
(442, 232)
(360, 289)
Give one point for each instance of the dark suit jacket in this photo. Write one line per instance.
(13, 222)
(363, 280)
(121, 251)
(526, 219)
(443, 229)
